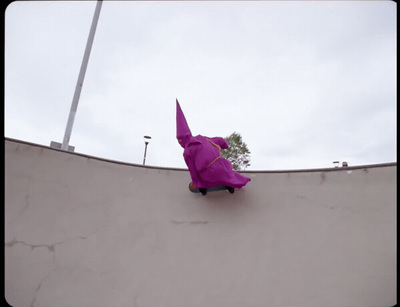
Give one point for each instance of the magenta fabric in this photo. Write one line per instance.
(206, 166)
(183, 133)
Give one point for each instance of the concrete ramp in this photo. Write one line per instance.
(83, 231)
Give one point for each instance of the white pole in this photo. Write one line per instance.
(81, 77)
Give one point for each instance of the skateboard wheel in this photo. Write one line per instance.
(203, 191)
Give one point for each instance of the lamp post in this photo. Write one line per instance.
(81, 77)
(146, 142)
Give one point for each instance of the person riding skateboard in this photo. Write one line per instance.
(203, 158)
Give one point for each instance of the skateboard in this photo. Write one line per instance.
(212, 189)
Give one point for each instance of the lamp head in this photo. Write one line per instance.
(147, 139)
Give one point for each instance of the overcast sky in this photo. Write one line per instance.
(304, 83)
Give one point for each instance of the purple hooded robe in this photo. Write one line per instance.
(202, 156)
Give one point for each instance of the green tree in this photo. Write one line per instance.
(237, 153)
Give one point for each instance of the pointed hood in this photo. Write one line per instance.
(183, 133)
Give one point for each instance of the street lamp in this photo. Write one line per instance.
(79, 83)
(146, 142)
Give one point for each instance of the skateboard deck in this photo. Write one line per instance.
(212, 189)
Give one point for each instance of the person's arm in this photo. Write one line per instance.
(221, 142)
(189, 156)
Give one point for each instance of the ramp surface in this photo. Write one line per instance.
(82, 231)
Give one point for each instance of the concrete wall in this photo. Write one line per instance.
(82, 231)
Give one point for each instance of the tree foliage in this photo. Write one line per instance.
(237, 153)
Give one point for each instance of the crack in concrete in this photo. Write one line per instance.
(32, 246)
(134, 300)
(50, 247)
(177, 222)
(34, 295)
(323, 177)
(198, 222)
(302, 197)
(190, 222)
